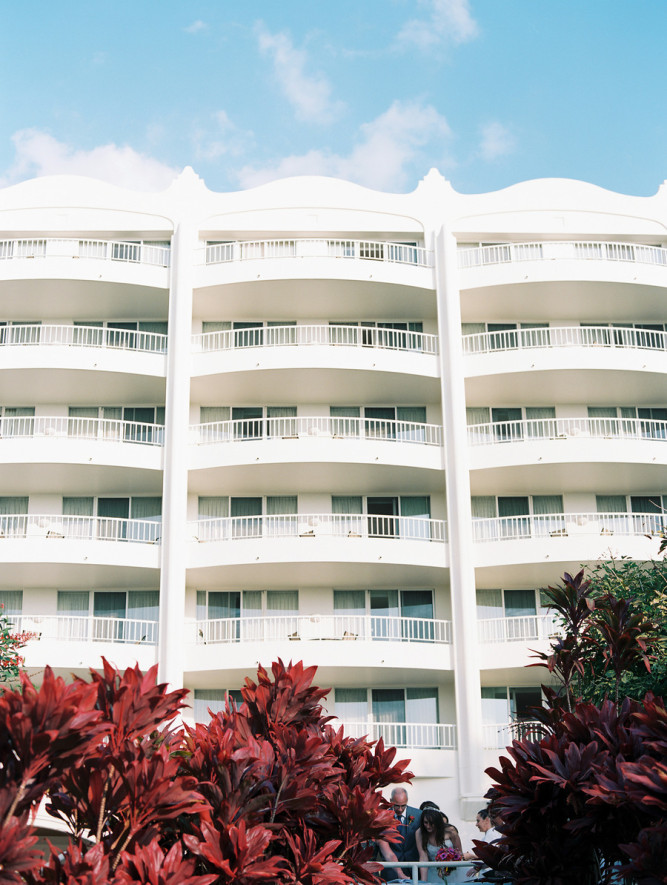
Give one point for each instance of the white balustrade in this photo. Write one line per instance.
(328, 427)
(565, 336)
(323, 627)
(302, 525)
(79, 528)
(316, 335)
(499, 735)
(81, 628)
(563, 525)
(517, 629)
(564, 428)
(105, 250)
(22, 334)
(415, 735)
(103, 429)
(505, 253)
(373, 250)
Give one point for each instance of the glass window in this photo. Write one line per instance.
(519, 603)
(351, 704)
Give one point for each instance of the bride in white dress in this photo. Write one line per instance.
(432, 835)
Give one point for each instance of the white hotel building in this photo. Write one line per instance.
(319, 422)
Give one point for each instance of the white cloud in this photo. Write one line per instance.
(220, 139)
(38, 153)
(309, 94)
(196, 27)
(386, 151)
(497, 141)
(447, 21)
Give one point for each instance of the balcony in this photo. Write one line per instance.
(370, 454)
(318, 363)
(314, 274)
(587, 279)
(412, 735)
(608, 454)
(500, 735)
(307, 549)
(128, 366)
(566, 364)
(522, 628)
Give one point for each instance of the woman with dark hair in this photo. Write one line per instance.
(432, 835)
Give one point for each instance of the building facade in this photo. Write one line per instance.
(328, 424)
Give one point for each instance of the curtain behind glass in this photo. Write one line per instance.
(421, 705)
(282, 602)
(224, 604)
(520, 603)
(489, 604)
(388, 704)
(547, 504)
(74, 602)
(12, 601)
(213, 507)
(349, 602)
(351, 704)
(13, 505)
(213, 699)
(483, 506)
(143, 605)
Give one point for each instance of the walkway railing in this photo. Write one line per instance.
(565, 336)
(79, 528)
(316, 335)
(301, 525)
(417, 735)
(336, 428)
(562, 525)
(372, 250)
(516, 629)
(500, 735)
(323, 627)
(79, 628)
(505, 253)
(104, 429)
(82, 336)
(105, 250)
(563, 428)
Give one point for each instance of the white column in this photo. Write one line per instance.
(459, 524)
(172, 642)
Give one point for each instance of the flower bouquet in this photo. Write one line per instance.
(446, 853)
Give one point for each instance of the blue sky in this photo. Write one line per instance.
(490, 92)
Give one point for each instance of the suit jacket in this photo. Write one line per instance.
(406, 849)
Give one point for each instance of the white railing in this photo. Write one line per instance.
(373, 250)
(564, 428)
(506, 253)
(417, 735)
(565, 336)
(82, 336)
(103, 429)
(105, 250)
(336, 428)
(323, 627)
(501, 734)
(316, 336)
(79, 628)
(79, 528)
(516, 629)
(301, 525)
(563, 525)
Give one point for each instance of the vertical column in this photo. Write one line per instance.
(172, 641)
(459, 524)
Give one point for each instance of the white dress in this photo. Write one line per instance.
(458, 874)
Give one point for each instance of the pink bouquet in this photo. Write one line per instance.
(445, 853)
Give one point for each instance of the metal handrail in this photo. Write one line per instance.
(106, 250)
(623, 337)
(36, 334)
(418, 735)
(376, 429)
(517, 628)
(79, 528)
(372, 250)
(562, 525)
(564, 428)
(506, 253)
(102, 429)
(87, 628)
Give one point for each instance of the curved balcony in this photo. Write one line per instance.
(89, 453)
(307, 549)
(499, 735)
(41, 274)
(566, 364)
(128, 366)
(413, 735)
(587, 279)
(318, 363)
(608, 454)
(515, 635)
(314, 275)
(369, 453)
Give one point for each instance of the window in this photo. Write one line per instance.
(519, 516)
(506, 336)
(405, 516)
(127, 335)
(118, 519)
(140, 424)
(20, 332)
(394, 336)
(17, 421)
(209, 701)
(247, 615)
(249, 517)
(392, 614)
(502, 704)
(646, 514)
(11, 602)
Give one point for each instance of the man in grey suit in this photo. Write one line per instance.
(408, 823)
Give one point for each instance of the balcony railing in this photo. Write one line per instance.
(506, 253)
(316, 336)
(500, 735)
(563, 525)
(80, 628)
(312, 428)
(565, 336)
(564, 428)
(79, 528)
(104, 250)
(417, 735)
(516, 629)
(82, 336)
(103, 429)
(323, 627)
(371, 250)
(405, 528)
